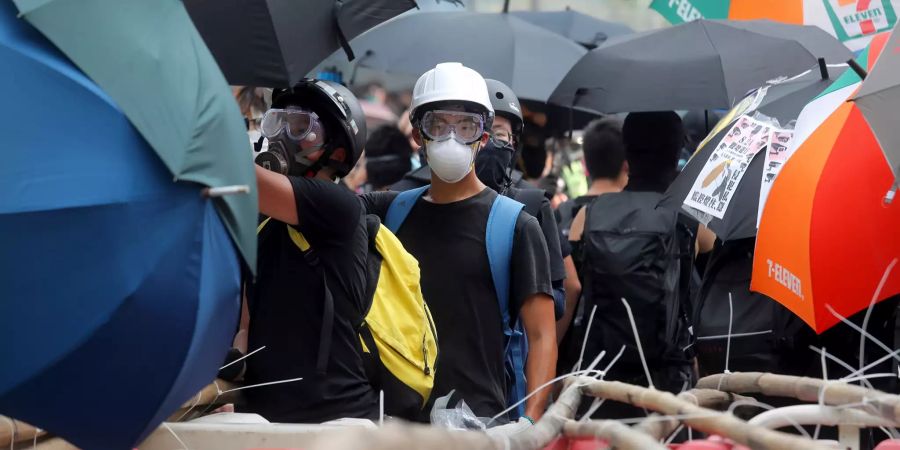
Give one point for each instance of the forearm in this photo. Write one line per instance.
(276, 196)
(539, 369)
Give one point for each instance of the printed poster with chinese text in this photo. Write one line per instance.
(714, 189)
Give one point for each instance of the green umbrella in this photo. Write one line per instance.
(149, 58)
(878, 99)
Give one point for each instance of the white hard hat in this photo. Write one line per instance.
(451, 82)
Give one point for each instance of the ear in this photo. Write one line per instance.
(484, 139)
(417, 136)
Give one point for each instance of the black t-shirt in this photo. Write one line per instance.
(448, 240)
(286, 308)
(547, 221)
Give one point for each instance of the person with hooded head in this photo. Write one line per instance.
(653, 143)
(446, 230)
(304, 310)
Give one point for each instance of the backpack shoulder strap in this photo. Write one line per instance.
(499, 236)
(312, 258)
(401, 206)
(501, 227)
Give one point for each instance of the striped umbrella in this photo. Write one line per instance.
(854, 22)
(823, 239)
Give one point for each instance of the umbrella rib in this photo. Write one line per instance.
(874, 91)
(712, 44)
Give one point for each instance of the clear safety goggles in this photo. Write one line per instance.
(440, 125)
(501, 137)
(297, 124)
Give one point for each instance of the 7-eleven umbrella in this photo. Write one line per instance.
(826, 236)
(878, 99)
(853, 22)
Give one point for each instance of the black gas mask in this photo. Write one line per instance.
(286, 130)
(493, 164)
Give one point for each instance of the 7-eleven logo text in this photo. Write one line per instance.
(860, 17)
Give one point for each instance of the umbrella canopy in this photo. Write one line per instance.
(528, 58)
(586, 30)
(853, 22)
(825, 238)
(274, 43)
(780, 101)
(698, 65)
(120, 287)
(878, 99)
(150, 59)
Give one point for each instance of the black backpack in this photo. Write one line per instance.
(567, 211)
(765, 336)
(635, 250)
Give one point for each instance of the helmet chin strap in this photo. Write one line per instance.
(509, 170)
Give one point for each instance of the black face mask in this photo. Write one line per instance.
(493, 163)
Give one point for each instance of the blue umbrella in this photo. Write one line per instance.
(119, 286)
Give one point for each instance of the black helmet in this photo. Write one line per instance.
(506, 104)
(341, 113)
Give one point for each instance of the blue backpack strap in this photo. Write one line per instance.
(501, 228)
(401, 206)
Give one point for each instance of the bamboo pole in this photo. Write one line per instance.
(551, 423)
(398, 436)
(403, 436)
(833, 393)
(660, 426)
(699, 418)
(13, 431)
(617, 434)
(207, 398)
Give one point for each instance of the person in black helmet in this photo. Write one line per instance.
(316, 132)
(494, 167)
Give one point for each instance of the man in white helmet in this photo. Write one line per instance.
(446, 227)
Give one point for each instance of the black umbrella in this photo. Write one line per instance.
(528, 58)
(782, 101)
(584, 29)
(274, 43)
(697, 65)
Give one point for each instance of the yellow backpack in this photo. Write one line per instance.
(397, 335)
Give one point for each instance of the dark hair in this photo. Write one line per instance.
(251, 101)
(387, 156)
(653, 143)
(604, 149)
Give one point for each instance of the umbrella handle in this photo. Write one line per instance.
(345, 44)
(823, 69)
(214, 192)
(857, 68)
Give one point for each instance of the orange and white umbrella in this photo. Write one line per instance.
(826, 235)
